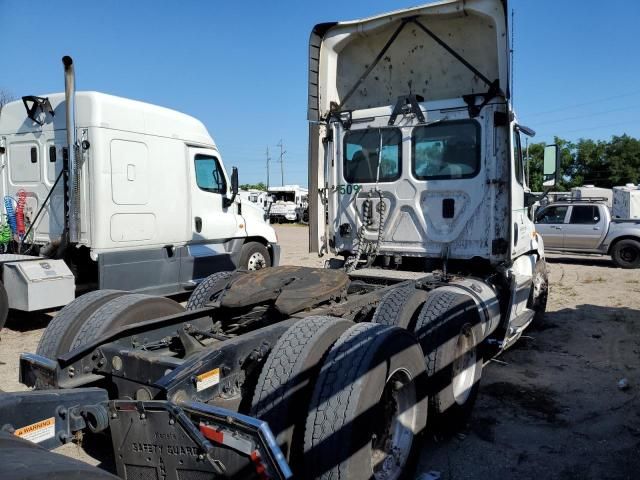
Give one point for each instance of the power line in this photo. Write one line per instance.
(633, 107)
(590, 128)
(600, 100)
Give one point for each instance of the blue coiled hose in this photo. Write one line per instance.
(11, 214)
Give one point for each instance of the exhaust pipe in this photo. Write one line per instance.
(72, 183)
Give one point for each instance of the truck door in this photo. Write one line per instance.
(550, 224)
(211, 221)
(585, 228)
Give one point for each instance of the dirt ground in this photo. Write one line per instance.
(550, 407)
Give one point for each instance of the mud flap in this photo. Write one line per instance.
(158, 439)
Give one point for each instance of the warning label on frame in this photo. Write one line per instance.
(39, 431)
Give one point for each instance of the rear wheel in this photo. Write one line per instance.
(286, 382)
(4, 305)
(400, 307)
(121, 311)
(367, 406)
(626, 253)
(62, 329)
(254, 256)
(446, 329)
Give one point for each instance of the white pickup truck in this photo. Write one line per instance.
(587, 227)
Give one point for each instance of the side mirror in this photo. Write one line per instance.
(227, 202)
(234, 181)
(551, 166)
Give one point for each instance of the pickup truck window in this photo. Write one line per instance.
(552, 215)
(209, 176)
(446, 150)
(585, 215)
(361, 150)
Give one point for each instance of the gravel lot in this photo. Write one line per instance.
(551, 406)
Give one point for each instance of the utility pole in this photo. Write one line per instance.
(268, 161)
(282, 152)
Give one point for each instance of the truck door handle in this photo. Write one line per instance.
(198, 224)
(596, 228)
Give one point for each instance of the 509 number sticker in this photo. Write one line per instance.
(348, 188)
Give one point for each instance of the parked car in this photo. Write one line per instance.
(586, 226)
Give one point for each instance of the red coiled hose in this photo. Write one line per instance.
(22, 199)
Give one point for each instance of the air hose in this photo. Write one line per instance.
(5, 234)
(11, 214)
(22, 199)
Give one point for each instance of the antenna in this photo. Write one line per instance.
(268, 162)
(513, 24)
(282, 152)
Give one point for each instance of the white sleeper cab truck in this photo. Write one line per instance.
(288, 203)
(107, 192)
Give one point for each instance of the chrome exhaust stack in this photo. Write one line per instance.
(72, 184)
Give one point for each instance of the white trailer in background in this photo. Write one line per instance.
(289, 203)
(257, 197)
(140, 202)
(626, 201)
(586, 192)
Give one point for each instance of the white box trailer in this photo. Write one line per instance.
(151, 207)
(591, 191)
(626, 202)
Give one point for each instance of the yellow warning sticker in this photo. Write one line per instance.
(207, 379)
(39, 431)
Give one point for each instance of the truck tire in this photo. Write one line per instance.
(4, 305)
(254, 256)
(454, 361)
(368, 405)
(400, 307)
(539, 291)
(23, 460)
(207, 290)
(626, 253)
(286, 381)
(62, 329)
(123, 310)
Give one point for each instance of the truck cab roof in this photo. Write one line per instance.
(95, 109)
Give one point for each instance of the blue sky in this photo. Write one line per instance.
(241, 67)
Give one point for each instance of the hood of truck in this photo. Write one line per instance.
(341, 55)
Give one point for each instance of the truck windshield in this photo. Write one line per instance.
(362, 150)
(284, 196)
(446, 150)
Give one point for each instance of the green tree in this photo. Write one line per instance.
(257, 186)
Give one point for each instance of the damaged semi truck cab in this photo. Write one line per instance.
(415, 149)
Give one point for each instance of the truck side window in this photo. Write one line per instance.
(552, 215)
(361, 152)
(517, 157)
(446, 150)
(209, 175)
(585, 215)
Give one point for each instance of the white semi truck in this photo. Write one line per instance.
(105, 192)
(415, 151)
(288, 203)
